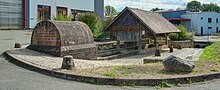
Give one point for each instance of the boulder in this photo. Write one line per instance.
(173, 63)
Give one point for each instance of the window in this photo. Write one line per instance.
(209, 27)
(201, 18)
(43, 12)
(216, 29)
(61, 11)
(216, 20)
(210, 20)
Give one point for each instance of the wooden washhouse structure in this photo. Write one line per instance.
(131, 24)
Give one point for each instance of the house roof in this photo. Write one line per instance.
(154, 21)
(157, 23)
(178, 19)
(171, 11)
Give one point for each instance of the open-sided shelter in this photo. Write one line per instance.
(132, 23)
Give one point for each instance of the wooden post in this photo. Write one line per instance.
(118, 41)
(155, 42)
(139, 40)
(166, 36)
(118, 45)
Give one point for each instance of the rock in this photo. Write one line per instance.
(173, 63)
(171, 48)
(158, 52)
(17, 45)
(68, 63)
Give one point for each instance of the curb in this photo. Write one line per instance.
(110, 81)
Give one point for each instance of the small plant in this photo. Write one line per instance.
(133, 83)
(189, 81)
(164, 84)
(126, 73)
(62, 18)
(110, 74)
(92, 81)
(119, 67)
(196, 70)
(214, 70)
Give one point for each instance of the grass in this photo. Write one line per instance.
(164, 84)
(110, 74)
(214, 70)
(211, 52)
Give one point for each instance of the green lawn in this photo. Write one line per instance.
(211, 52)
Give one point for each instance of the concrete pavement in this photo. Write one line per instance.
(13, 77)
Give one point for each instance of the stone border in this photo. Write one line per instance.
(110, 81)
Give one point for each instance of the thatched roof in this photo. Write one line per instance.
(154, 21)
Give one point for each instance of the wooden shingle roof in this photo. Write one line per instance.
(154, 21)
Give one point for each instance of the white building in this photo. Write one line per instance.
(202, 23)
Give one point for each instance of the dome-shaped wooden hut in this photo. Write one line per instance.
(64, 38)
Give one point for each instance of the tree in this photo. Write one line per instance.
(210, 7)
(110, 11)
(93, 21)
(194, 6)
(156, 9)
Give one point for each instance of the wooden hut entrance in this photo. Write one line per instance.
(131, 25)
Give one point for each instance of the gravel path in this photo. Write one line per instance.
(50, 62)
(191, 54)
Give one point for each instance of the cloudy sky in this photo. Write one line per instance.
(149, 4)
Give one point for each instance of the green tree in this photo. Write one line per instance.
(156, 9)
(110, 11)
(210, 7)
(194, 6)
(93, 21)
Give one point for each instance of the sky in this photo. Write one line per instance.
(149, 4)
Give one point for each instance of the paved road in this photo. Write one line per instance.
(13, 77)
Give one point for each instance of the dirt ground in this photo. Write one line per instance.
(146, 71)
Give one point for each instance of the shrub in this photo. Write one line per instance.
(183, 35)
(174, 36)
(96, 25)
(62, 18)
(92, 20)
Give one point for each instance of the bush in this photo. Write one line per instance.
(183, 35)
(62, 18)
(92, 20)
(174, 36)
